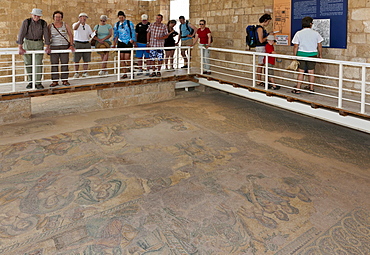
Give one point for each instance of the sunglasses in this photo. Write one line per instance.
(201, 24)
(83, 27)
(103, 20)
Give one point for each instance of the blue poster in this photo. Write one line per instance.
(330, 20)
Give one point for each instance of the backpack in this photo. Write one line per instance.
(43, 23)
(252, 37)
(191, 31)
(128, 23)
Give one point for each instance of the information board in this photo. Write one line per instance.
(330, 19)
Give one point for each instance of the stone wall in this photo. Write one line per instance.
(136, 94)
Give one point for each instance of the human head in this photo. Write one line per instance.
(271, 39)
(82, 17)
(307, 22)
(103, 18)
(58, 14)
(144, 19)
(121, 16)
(203, 22)
(159, 18)
(265, 18)
(171, 23)
(36, 14)
(182, 19)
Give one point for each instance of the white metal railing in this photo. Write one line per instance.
(341, 84)
(13, 73)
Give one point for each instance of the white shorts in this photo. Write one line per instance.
(260, 49)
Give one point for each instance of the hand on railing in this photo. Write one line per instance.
(47, 49)
(21, 50)
(72, 48)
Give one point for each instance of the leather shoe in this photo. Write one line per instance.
(54, 84)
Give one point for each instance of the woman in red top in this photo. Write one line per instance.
(204, 34)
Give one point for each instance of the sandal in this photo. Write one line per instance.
(66, 83)
(262, 84)
(153, 74)
(54, 84)
(124, 76)
(159, 74)
(276, 87)
(294, 91)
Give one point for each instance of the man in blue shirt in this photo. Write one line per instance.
(124, 37)
(187, 32)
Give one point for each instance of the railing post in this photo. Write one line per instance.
(254, 70)
(119, 65)
(201, 59)
(13, 72)
(266, 72)
(33, 70)
(340, 86)
(132, 63)
(363, 89)
(189, 60)
(178, 52)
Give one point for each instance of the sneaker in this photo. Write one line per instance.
(29, 85)
(85, 74)
(140, 72)
(185, 66)
(106, 73)
(76, 75)
(39, 86)
(101, 73)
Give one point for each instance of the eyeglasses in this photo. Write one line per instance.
(201, 24)
(103, 20)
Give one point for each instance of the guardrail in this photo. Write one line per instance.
(13, 74)
(344, 84)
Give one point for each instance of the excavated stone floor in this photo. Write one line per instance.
(206, 174)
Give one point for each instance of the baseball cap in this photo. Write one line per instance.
(144, 17)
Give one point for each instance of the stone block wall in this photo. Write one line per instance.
(136, 94)
(15, 110)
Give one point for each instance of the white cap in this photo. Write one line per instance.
(271, 37)
(82, 14)
(144, 17)
(37, 12)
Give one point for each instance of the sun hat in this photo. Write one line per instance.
(144, 17)
(271, 37)
(37, 12)
(83, 14)
(104, 17)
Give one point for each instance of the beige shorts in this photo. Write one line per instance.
(188, 42)
(260, 49)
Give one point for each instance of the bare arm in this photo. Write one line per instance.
(295, 49)
(319, 48)
(194, 28)
(260, 35)
(76, 26)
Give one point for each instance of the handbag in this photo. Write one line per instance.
(69, 44)
(293, 65)
(93, 41)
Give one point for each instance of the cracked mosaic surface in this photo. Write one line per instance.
(213, 174)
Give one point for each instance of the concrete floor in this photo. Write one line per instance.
(206, 174)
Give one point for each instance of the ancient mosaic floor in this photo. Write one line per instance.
(211, 174)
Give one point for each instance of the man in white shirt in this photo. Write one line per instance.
(82, 35)
(307, 43)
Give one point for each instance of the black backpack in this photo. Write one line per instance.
(43, 23)
(252, 37)
(191, 31)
